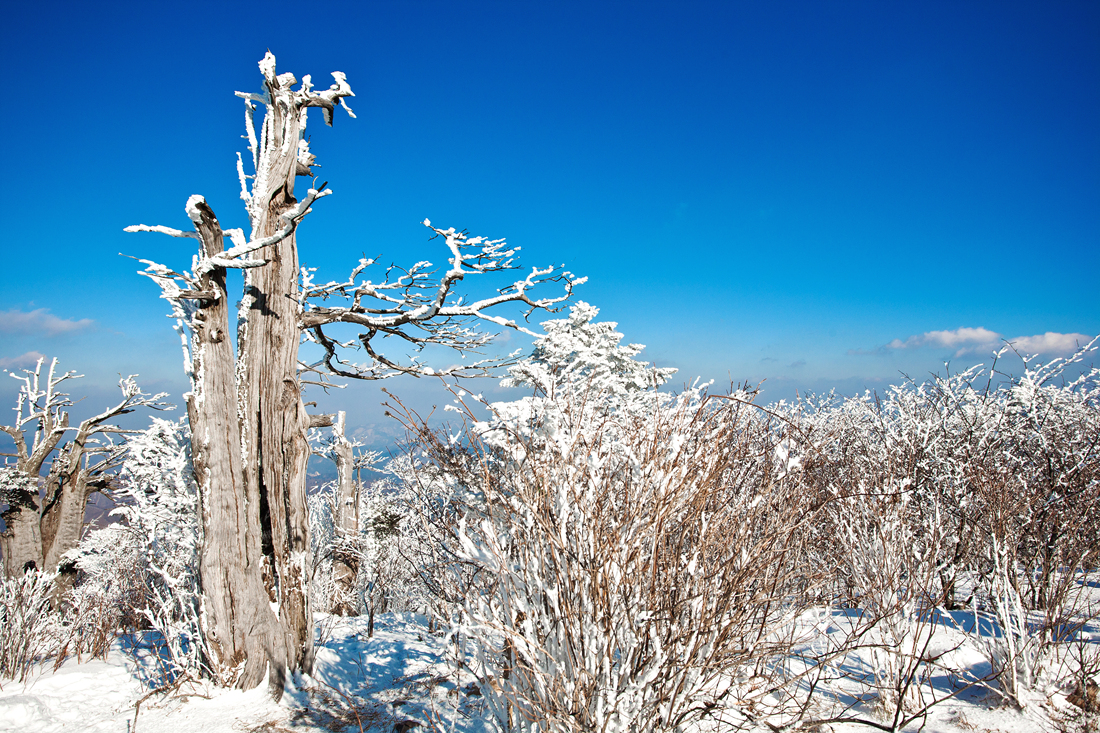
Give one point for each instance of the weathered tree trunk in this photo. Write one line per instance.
(21, 542)
(258, 533)
(67, 490)
(275, 424)
(345, 565)
(239, 624)
(43, 526)
(249, 425)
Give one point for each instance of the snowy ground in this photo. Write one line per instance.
(398, 678)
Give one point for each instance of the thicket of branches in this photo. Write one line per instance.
(628, 559)
(608, 556)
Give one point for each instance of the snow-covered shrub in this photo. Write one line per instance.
(109, 592)
(635, 584)
(432, 499)
(580, 375)
(627, 560)
(379, 551)
(1028, 454)
(147, 565)
(891, 584)
(962, 489)
(29, 629)
(358, 535)
(322, 540)
(387, 580)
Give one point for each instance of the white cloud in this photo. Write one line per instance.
(39, 322)
(975, 340)
(1050, 343)
(23, 361)
(963, 338)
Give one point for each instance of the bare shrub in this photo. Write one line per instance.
(642, 571)
(962, 487)
(28, 626)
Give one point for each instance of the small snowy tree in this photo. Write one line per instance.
(145, 568)
(581, 377)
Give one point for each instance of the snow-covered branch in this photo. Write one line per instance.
(39, 401)
(421, 310)
(281, 150)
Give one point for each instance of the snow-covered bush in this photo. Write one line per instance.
(580, 375)
(146, 566)
(961, 491)
(359, 536)
(29, 629)
(628, 560)
(322, 540)
(432, 499)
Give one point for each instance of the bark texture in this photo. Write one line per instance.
(240, 627)
(275, 422)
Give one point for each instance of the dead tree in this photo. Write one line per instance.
(346, 560)
(249, 423)
(45, 515)
(346, 550)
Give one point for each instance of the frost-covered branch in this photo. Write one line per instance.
(420, 310)
(39, 401)
(282, 151)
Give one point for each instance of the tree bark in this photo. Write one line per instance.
(21, 542)
(275, 423)
(240, 627)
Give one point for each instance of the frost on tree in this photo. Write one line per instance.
(339, 547)
(580, 375)
(42, 525)
(248, 420)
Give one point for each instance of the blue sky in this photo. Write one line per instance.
(816, 194)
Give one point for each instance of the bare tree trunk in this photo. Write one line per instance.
(276, 449)
(346, 563)
(21, 542)
(239, 624)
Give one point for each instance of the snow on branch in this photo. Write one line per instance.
(40, 401)
(420, 310)
(232, 257)
(281, 150)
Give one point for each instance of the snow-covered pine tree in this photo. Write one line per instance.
(580, 374)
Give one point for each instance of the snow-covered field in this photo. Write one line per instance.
(397, 680)
(397, 677)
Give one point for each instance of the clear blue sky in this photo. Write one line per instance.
(820, 194)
